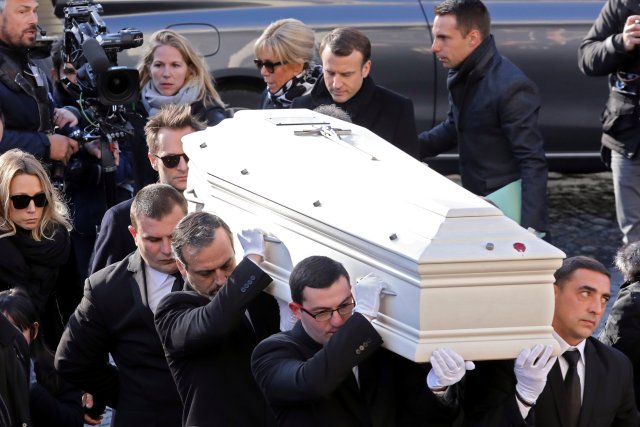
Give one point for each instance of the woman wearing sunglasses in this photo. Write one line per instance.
(171, 72)
(34, 236)
(284, 57)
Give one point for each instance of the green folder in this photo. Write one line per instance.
(509, 200)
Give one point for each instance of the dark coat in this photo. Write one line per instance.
(622, 329)
(493, 119)
(608, 399)
(602, 53)
(385, 113)
(114, 318)
(26, 108)
(143, 173)
(208, 344)
(114, 241)
(14, 376)
(54, 402)
(308, 384)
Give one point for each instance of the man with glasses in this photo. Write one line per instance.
(209, 330)
(330, 370)
(164, 133)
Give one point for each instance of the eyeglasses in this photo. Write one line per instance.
(172, 160)
(270, 66)
(21, 201)
(322, 316)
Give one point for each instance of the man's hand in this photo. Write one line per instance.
(367, 292)
(447, 368)
(87, 402)
(631, 33)
(63, 117)
(252, 242)
(61, 147)
(531, 368)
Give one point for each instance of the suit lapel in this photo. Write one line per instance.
(556, 383)
(139, 289)
(592, 373)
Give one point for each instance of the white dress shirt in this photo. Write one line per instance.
(159, 284)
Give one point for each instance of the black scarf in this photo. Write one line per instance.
(299, 85)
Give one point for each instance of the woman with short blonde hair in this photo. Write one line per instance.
(285, 55)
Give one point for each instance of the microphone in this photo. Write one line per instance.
(96, 57)
(43, 32)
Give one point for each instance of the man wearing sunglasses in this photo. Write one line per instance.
(163, 133)
(330, 369)
(346, 63)
(209, 330)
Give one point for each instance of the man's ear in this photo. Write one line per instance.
(153, 160)
(295, 308)
(34, 330)
(366, 69)
(132, 231)
(474, 38)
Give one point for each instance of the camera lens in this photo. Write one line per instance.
(118, 86)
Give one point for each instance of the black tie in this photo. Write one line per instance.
(572, 387)
(178, 283)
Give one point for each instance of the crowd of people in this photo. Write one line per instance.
(121, 298)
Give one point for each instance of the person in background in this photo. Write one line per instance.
(493, 114)
(52, 402)
(34, 237)
(171, 72)
(612, 48)
(164, 133)
(622, 329)
(346, 81)
(30, 116)
(285, 55)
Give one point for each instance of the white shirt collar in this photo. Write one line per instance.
(564, 346)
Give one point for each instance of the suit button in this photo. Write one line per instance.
(252, 277)
(361, 348)
(358, 352)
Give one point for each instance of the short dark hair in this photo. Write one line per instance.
(570, 265)
(197, 229)
(470, 15)
(344, 40)
(316, 272)
(156, 201)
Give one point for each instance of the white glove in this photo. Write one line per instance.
(367, 294)
(531, 368)
(447, 368)
(252, 241)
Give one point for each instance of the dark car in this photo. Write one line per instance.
(540, 36)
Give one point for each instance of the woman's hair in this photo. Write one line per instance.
(16, 162)
(15, 303)
(196, 65)
(290, 40)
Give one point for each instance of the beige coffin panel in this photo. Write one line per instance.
(447, 255)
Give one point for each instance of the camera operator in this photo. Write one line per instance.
(29, 113)
(612, 47)
(84, 184)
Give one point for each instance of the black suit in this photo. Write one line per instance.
(608, 398)
(114, 318)
(114, 241)
(385, 113)
(208, 344)
(308, 384)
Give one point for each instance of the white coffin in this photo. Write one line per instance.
(447, 255)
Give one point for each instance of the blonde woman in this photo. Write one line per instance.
(285, 55)
(34, 235)
(171, 72)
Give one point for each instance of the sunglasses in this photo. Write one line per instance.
(172, 160)
(21, 201)
(270, 66)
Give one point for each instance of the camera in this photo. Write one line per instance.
(93, 52)
(102, 88)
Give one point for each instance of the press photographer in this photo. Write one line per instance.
(29, 113)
